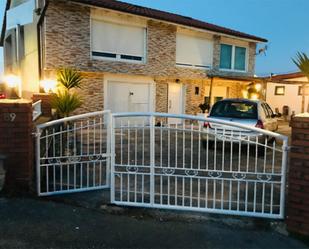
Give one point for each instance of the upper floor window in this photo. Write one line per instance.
(193, 51)
(115, 41)
(233, 57)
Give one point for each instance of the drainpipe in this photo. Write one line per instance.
(18, 56)
(41, 18)
(303, 98)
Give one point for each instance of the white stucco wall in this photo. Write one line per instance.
(290, 98)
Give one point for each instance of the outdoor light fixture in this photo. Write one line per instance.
(13, 82)
(258, 87)
(48, 85)
(245, 94)
(254, 96)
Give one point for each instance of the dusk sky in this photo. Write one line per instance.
(283, 22)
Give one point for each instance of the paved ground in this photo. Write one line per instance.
(27, 223)
(285, 129)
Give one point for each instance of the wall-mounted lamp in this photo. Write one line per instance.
(258, 87)
(48, 85)
(254, 96)
(13, 82)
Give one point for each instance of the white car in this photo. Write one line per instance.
(252, 113)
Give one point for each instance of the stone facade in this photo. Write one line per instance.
(67, 44)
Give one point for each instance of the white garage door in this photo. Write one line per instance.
(129, 97)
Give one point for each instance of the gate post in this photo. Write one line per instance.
(16, 143)
(298, 179)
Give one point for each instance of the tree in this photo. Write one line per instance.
(302, 62)
(66, 100)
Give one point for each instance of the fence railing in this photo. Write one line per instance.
(73, 154)
(230, 169)
(167, 161)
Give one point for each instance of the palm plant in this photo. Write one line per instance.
(65, 103)
(302, 62)
(66, 100)
(69, 78)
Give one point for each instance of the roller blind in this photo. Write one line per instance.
(117, 38)
(192, 50)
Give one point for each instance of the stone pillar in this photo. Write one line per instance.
(251, 60)
(46, 103)
(16, 143)
(298, 179)
(216, 53)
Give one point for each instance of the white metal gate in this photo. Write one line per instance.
(147, 162)
(233, 169)
(73, 154)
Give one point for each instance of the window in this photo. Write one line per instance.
(117, 41)
(226, 57)
(279, 90)
(300, 90)
(10, 55)
(233, 57)
(217, 99)
(193, 51)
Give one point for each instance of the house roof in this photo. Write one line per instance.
(287, 76)
(166, 16)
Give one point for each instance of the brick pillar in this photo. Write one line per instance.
(298, 192)
(16, 143)
(46, 103)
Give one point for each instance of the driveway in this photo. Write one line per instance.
(28, 223)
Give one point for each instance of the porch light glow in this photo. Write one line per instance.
(258, 87)
(48, 85)
(245, 94)
(254, 96)
(12, 81)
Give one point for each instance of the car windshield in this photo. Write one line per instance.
(234, 109)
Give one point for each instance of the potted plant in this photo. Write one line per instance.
(66, 100)
(204, 108)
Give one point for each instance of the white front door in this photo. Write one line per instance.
(175, 101)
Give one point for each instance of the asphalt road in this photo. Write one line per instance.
(28, 223)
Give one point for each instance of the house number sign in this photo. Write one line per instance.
(9, 117)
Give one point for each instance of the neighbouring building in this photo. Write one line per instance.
(133, 58)
(287, 90)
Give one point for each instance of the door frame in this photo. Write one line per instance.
(110, 78)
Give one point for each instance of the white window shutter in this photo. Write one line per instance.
(193, 50)
(117, 39)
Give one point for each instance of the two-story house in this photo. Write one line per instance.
(132, 58)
